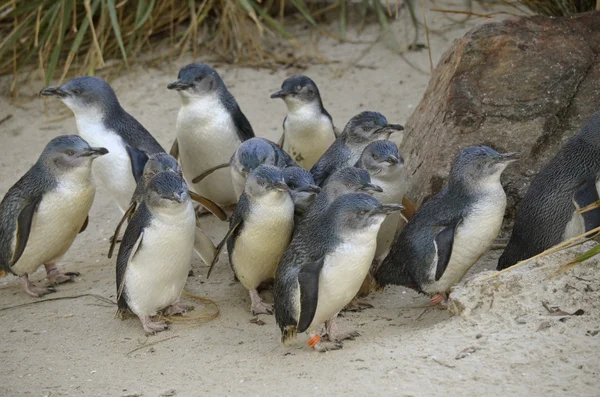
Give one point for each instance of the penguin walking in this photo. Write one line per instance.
(547, 215)
(385, 165)
(308, 129)
(302, 189)
(453, 229)
(43, 212)
(324, 267)
(101, 121)
(361, 130)
(210, 127)
(155, 256)
(259, 232)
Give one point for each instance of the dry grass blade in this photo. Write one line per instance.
(590, 207)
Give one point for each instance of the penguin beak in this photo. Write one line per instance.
(392, 160)
(389, 129)
(279, 94)
(310, 189)
(279, 186)
(54, 91)
(369, 187)
(94, 152)
(388, 209)
(510, 157)
(178, 85)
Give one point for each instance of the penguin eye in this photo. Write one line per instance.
(76, 91)
(70, 152)
(198, 78)
(298, 88)
(363, 212)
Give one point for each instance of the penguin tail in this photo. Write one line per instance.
(288, 333)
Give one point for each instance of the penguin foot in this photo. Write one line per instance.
(323, 346)
(437, 299)
(258, 306)
(177, 308)
(152, 327)
(357, 306)
(31, 289)
(332, 333)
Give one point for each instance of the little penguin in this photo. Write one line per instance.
(547, 215)
(164, 162)
(210, 127)
(101, 121)
(156, 253)
(346, 180)
(308, 129)
(361, 130)
(324, 267)
(43, 212)
(385, 165)
(302, 189)
(260, 230)
(453, 229)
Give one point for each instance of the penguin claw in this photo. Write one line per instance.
(323, 346)
(152, 327)
(357, 306)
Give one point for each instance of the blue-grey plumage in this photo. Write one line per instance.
(547, 214)
(260, 230)
(155, 256)
(346, 180)
(453, 229)
(361, 130)
(210, 127)
(302, 189)
(252, 153)
(308, 129)
(324, 266)
(42, 213)
(101, 121)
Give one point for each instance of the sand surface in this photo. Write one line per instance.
(77, 347)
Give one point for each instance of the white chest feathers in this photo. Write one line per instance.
(157, 272)
(113, 170)
(57, 221)
(308, 134)
(472, 238)
(207, 137)
(343, 272)
(266, 233)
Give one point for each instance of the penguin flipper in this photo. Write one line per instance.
(24, 221)
(281, 140)
(138, 161)
(175, 149)
(127, 215)
(209, 205)
(308, 278)
(232, 228)
(85, 224)
(444, 241)
(584, 195)
(209, 171)
(204, 247)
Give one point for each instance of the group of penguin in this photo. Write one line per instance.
(321, 212)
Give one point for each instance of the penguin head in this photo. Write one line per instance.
(68, 152)
(350, 180)
(302, 186)
(166, 190)
(265, 180)
(478, 165)
(381, 157)
(297, 91)
(252, 153)
(196, 80)
(369, 126)
(161, 162)
(358, 211)
(84, 94)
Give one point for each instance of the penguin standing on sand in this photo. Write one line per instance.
(43, 212)
(260, 230)
(302, 189)
(210, 127)
(324, 267)
(101, 121)
(453, 229)
(156, 253)
(308, 129)
(548, 214)
(361, 130)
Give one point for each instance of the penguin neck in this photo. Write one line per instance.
(313, 109)
(204, 99)
(270, 199)
(482, 185)
(173, 212)
(81, 175)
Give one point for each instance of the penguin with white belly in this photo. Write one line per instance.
(155, 256)
(453, 229)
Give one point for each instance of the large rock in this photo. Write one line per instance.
(523, 85)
